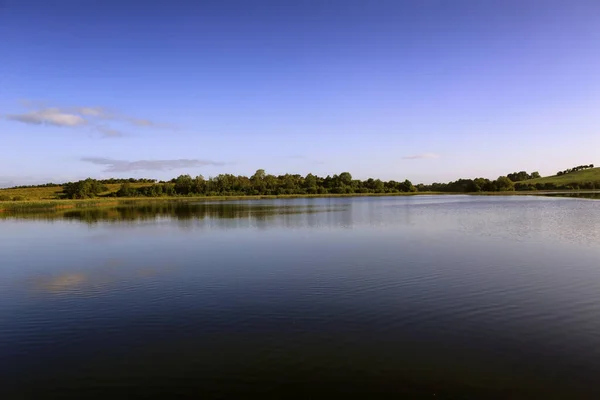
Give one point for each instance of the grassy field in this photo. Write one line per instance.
(50, 193)
(38, 203)
(588, 175)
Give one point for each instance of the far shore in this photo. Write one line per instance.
(58, 204)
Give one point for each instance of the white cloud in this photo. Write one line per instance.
(91, 111)
(80, 116)
(49, 116)
(141, 122)
(148, 165)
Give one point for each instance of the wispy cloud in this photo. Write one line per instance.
(91, 111)
(141, 122)
(49, 116)
(148, 165)
(109, 132)
(421, 156)
(96, 117)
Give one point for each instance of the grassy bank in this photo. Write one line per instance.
(573, 178)
(50, 205)
(51, 192)
(533, 192)
(43, 201)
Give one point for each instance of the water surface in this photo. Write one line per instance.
(425, 296)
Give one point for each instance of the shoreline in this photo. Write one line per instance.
(58, 204)
(66, 204)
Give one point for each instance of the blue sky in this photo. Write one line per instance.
(424, 90)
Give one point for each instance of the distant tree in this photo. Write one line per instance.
(346, 178)
(575, 169)
(258, 175)
(407, 186)
(519, 176)
(378, 186)
(83, 189)
(535, 175)
(126, 190)
(199, 185)
(504, 184)
(482, 185)
(183, 184)
(310, 183)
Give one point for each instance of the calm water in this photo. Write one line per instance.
(432, 297)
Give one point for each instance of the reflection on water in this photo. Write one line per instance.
(61, 283)
(578, 195)
(94, 279)
(416, 297)
(178, 210)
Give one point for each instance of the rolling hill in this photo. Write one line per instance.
(579, 178)
(51, 192)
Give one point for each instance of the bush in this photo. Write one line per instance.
(18, 198)
(5, 197)
(83, 189)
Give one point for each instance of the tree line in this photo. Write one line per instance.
(574, 169)
(502, 184)
(523, 176)
(83, 189)
(103, 181)
(262, 183)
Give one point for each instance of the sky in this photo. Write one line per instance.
(426, 90)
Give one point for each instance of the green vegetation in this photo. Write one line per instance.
(575, 169)
(576, 179)
(582, 177)
(85, 189)
(263, 185)
(43, 192)
(57, 205)
(522, 176)
(502, 184)
(140, 210)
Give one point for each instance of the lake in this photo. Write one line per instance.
(422, 296)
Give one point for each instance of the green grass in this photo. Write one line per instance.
(42, 193)
(51, 193)
(41, 204)
(587, 175)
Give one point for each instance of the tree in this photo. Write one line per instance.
(504, 184)
(258, 182)
(310, 183)
(125, 190)
(183, 184)
(482, 185)
(83, 189)
(407, 186)
(199, 185)
(346, 178)
(258, 175)
(519, 176)
(535, 175)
